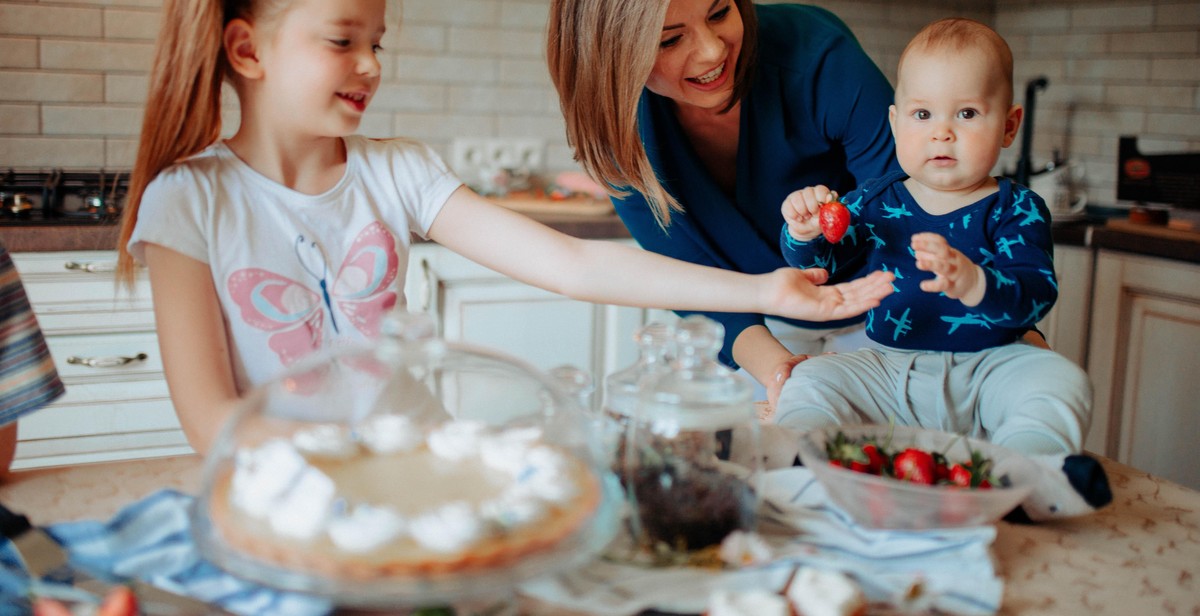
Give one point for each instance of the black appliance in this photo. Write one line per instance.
(37, 197)
(1157, 179)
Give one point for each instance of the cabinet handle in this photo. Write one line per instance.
(427, 287)
(105, 362)
(92, 267)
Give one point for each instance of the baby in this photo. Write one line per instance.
(972, 257)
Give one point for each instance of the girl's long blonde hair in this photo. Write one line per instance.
(183, 108)
(600, 54)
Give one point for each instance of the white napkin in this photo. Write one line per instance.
(954, 568)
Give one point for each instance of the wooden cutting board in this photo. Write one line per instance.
(575, 206)
(1178, 231)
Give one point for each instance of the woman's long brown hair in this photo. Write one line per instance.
(183, 108)
(600, 54)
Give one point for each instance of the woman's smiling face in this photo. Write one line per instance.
(697, 54)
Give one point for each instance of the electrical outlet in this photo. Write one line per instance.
(478, 160)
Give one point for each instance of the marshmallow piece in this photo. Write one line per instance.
(457, 440)
(301, 512)
(447, 529)
(326, 441)
(741, 549)
(262, 475)
(388, 434)
(724, 602)
(814, 592)
(365, 528)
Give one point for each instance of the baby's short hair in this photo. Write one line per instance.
(960, 33)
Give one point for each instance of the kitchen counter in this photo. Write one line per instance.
(1139, 555)
(589, 223)
(1113, 231)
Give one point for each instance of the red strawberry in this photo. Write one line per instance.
(914, 465)
(960, 476)
(120, 602)
(835, 220)
(876, 461)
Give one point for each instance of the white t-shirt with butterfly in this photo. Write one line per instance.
(298, 273)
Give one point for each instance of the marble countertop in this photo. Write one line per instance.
(1139, 555)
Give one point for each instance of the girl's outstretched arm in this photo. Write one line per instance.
(193, 343)
(611, 273)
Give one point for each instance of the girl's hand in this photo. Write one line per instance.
(801, 208)
(955, 275)
(793, 292)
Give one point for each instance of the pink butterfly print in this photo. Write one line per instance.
(360, 293)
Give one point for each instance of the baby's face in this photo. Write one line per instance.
(951, 118)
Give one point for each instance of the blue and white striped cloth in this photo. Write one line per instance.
(149, 540)
(955, 569)
(28, 378)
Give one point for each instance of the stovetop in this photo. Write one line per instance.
(57, 196)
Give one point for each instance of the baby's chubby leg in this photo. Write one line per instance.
(1034, 400)
(839, 389)
(1039, 403)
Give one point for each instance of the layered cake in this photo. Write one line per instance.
(392, 499)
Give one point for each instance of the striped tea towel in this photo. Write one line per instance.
(28, 379)
(954, 568)
(150, 540)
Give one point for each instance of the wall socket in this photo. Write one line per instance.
(478, 160)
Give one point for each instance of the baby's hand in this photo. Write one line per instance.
(956, 275)
(801, 209)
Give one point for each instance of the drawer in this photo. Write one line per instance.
(103, 408)
(83, 298)
(106, 357)
(103, 448)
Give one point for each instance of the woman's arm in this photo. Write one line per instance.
(193, 343)
(607, 272)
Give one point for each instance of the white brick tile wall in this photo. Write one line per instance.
(126, 88)
(1177, 15)
(91, 120)
(52, 152)
(139, 24)
(51, 87)
(19, 119)
(18, 52)
(99, 56)
(39, 20)
(1109, 17)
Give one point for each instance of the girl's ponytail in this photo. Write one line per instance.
(183, 108)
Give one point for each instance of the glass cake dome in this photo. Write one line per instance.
(408, 472)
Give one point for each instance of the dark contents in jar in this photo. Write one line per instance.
(693, 509)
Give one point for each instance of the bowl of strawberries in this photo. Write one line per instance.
(903, 478)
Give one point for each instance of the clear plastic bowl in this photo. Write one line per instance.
(889, 503)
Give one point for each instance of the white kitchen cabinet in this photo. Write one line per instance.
(473, 304)
(105, 349)
(1145, 330)
(1066, 325)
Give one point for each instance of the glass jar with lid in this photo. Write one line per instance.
(687, 493)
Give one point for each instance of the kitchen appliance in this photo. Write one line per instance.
(58, 196)
(1166, 180)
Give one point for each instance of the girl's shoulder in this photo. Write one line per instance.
(201, 168)
(393, 152)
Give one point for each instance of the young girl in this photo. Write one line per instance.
(292, 235)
